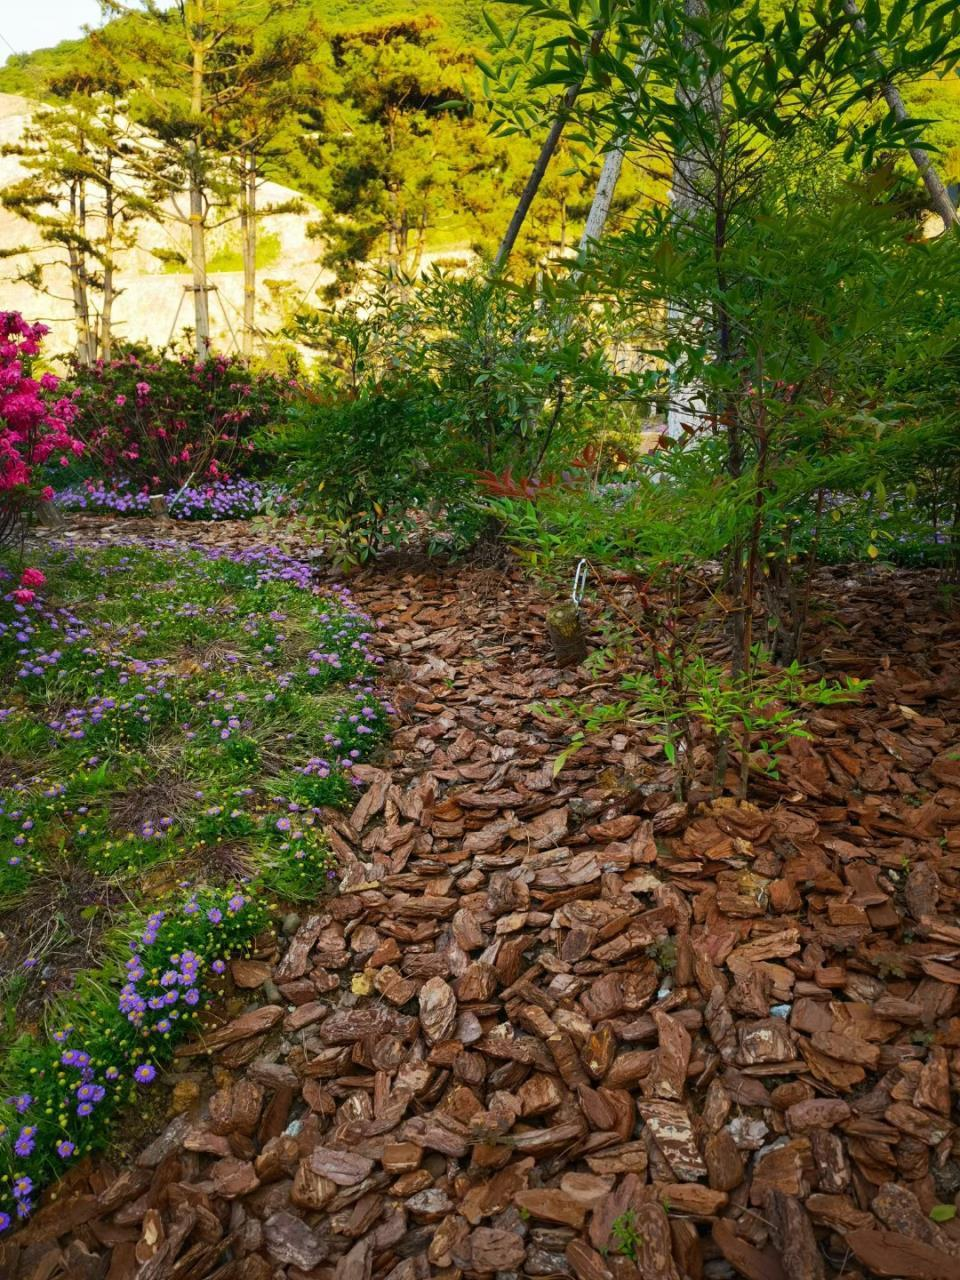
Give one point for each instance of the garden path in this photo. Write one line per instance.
(440, 1071)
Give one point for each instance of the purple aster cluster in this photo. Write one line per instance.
(239, 499)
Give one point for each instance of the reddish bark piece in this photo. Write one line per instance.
(254, 1023)
(345, 1168)
(794, 1237)
(438, 1009)
(356, 1263)
(290, 1242)
(393, 986)
(401, 1157)
(296, 960)
(552, 1206)
(233, 1178)
(840, 1213)
(887, 1253)
(689, 1197)
(654, 1255)
(846, 1048)
(306, 1015)
(668, 1074)
(311, 1190)
(816, 1113)
(724, 1162)
(750, 1262)
(587, 1264)
(347, 1026)
(781, 1169)
(673, 1132)
(492, 1249)
(586, 1188)
(249, 974)
(899, 1209)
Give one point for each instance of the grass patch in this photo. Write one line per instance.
(176, 722)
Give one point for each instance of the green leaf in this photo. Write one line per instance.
(943, 1213)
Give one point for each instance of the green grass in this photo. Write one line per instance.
(172, 726)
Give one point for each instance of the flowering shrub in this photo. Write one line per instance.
(36, 426)
(233, 499)
(163, 421)
(174, 716)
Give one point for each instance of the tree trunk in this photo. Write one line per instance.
(109, 228)
(248, 231)
(686, 197)
(198, 248)
(602, 199)
(550, 144)
(940, 200)
(607, 182)
(419, 246)
(78, 278)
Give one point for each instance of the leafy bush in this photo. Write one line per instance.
(431, 383)
(162, 421)
(364, 468)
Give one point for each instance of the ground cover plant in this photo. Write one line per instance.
(175, 722)
(235, 499)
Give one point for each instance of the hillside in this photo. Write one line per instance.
(463, 20)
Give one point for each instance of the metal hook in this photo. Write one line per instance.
(579, 584)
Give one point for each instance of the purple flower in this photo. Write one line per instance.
(145, 1073)
(84, 1108)
(22, 1187)
(218, 966)
(4, 1221)
(236, 903)
(20, 1102)
(214, 915)
(65, 1150)
(26, 1141)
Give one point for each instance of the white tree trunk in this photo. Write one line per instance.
(198, 247)
(940, 200)
(248, 232)
(686, 404)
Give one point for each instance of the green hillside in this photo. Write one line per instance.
(463, 19)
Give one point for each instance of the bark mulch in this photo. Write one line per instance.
(551, 1027)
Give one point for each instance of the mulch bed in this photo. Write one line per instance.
(549, 1019)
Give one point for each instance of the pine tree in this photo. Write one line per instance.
(188, 65)
(80, 193)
